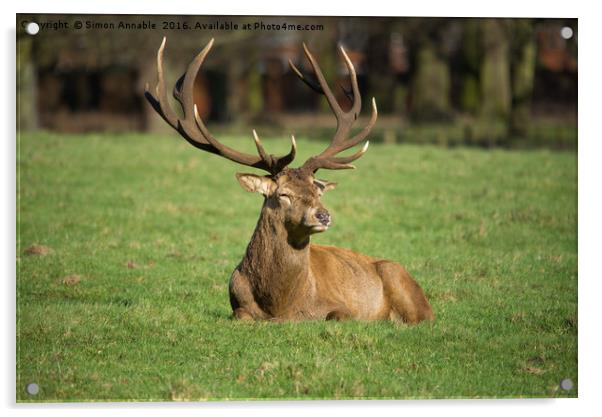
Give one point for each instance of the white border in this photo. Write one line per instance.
(467, 8)
(590, 208)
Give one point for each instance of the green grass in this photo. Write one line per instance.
(153, 228)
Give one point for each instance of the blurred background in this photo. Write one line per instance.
(450, 81)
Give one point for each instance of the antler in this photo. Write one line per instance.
(345, 120)
(192, 128)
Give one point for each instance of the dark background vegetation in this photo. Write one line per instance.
(450, 81)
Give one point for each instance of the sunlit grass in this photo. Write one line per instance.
(131, 300)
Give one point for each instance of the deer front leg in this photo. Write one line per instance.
(242, 314)
(242, 301)
(339, 315)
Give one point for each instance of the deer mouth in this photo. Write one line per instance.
(318, 228)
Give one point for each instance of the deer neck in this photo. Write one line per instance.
(277, 263)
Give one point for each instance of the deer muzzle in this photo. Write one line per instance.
(317, 220)
(323, 217)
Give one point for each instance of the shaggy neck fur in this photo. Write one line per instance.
(276, 262)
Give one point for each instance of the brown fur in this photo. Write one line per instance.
(284, 277)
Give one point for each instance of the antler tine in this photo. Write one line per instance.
(160, 103)
(288, 158)
(314, 163)
(332, 101)
(310, 83)
(351, 158)
(260, 149)
(316, 87)
(192, 127)
(345, 120)
(361, 136)
(357, 98)
(185, 94)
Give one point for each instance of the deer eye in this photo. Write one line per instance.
(285, 197)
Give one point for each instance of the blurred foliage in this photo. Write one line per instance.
(26, 113)
(495, 71)
(523, 76)
(467, 72)
(471, 96)
(431, 87)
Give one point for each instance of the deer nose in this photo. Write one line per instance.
(323, 217)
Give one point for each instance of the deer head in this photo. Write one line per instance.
(292, 195)
(292, 199)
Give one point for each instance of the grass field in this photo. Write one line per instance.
(126, 295)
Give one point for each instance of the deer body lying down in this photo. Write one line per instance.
(282, 275)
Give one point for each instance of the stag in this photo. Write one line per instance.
(282, 275)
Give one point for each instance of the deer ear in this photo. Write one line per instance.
(256, 184)
(324, 185)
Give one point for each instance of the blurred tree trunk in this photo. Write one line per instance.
(255, 93)
(495, 72)
(470, 98)
(380, 79)
(237, 86)
(430, 89)
(27, 117)
(382, 86)
(523, 75)
(273, 87)
(327, 59)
